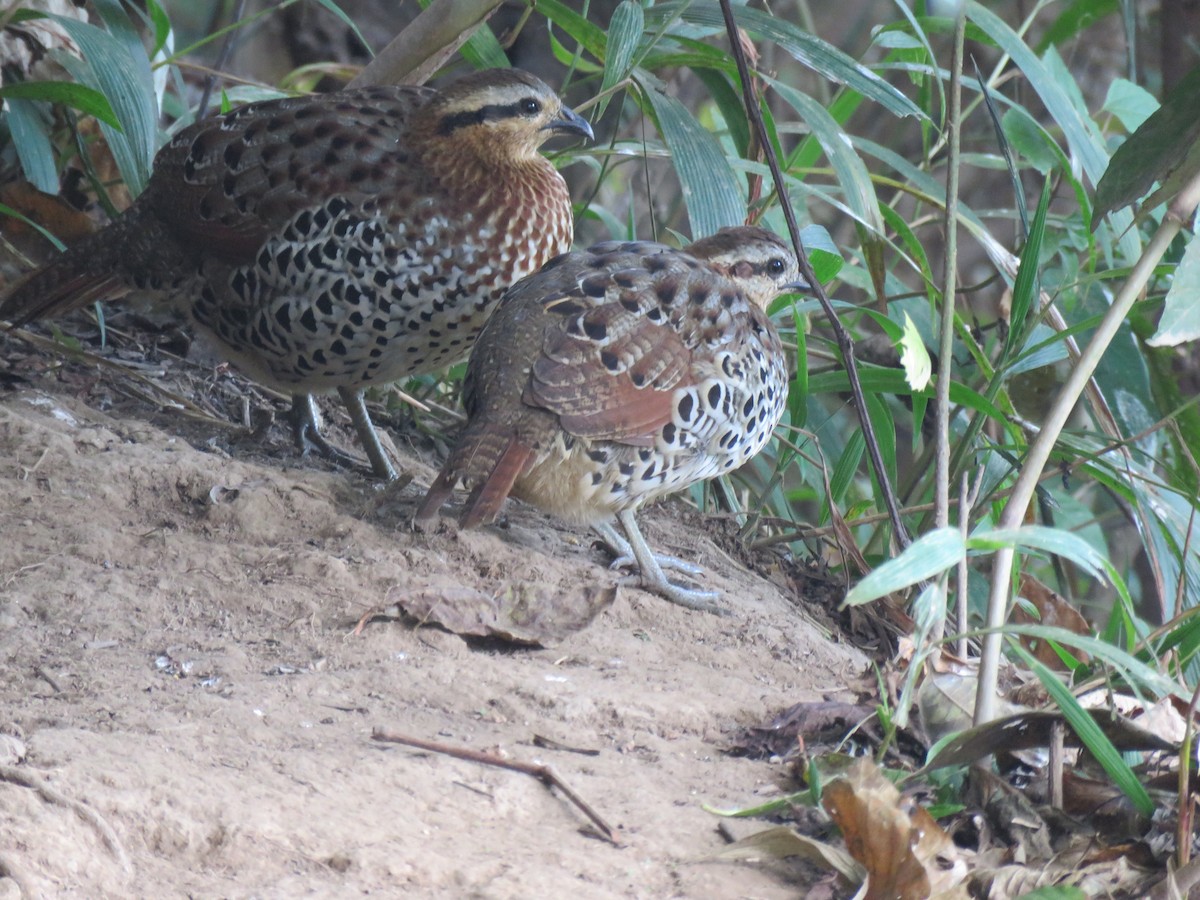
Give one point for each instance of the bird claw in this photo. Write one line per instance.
(306, 429)
(692, 598)
(674, 563)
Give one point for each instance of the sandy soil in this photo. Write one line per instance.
(178, 663)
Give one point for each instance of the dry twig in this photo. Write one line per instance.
(543, 773)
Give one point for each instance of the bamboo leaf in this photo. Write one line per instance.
(1180, 320)
(1089, 733)
(33, 147)
(848, 166)
(807, 49)
(68, 93)
(1050, 540)
(123, 76)
(927, 557)
(710, 189)
(625, 29)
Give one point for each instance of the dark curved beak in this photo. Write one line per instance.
(799, 286)
(570, 122)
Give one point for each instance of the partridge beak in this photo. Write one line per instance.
(571, 122)
(799, 286)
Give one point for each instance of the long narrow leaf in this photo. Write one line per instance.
(851, 172)
(110, 67)
(928, 556)
(77, 96)
(1089, 732)
(1027, 283)
(820, 56)
(33, 148)
(711, 191)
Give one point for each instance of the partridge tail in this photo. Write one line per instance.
(483, 505)
(490, 460)
(89, 270)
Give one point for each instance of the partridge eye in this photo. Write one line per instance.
(530, 107)
(775, 266)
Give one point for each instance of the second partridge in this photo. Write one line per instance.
(341, 240)
(621, 374)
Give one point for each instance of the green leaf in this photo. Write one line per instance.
(9, 211)
(1090, 734)
(844, 471)
(927, 557)
(1180, 321)
(1048, 78)
(1026, 288)
(121, 72)
(711, 191)
(1131, 103)
(818, 55)
(68, 93)
(1030, 140)
(891, 381)
(162, 25)
(590, 36)
(823, 254)
(1078, 15)
(1055, 892)
(28, 133)
(848, 166)
(1165, 143)
(1139, 675)
(1050, 540)
(729, 102)
(625, 29)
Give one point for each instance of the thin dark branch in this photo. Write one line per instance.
(226, 51)
(545, 774)
(844, 341)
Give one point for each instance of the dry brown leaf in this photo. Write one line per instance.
(782, 842)
(1113, 878)
(1052, 610)
(897, 842)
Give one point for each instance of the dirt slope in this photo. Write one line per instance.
(176, 655)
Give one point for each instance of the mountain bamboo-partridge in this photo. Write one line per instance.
(619, 374)
(341, 240)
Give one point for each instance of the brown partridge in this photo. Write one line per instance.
(620, 374)
(341, 240)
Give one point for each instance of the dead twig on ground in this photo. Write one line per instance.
(543, 773)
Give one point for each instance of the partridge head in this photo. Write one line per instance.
(618, 375)
(341, 240)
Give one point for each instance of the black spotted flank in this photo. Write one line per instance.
(597, 331)
(610, 361)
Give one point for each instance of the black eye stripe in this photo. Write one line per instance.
(490, 113)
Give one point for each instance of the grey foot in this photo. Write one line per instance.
(625, 558)
(650, 575)
(381, 464)
(306, 431)
(306, 427)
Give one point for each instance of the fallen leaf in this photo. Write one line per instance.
(898, 843)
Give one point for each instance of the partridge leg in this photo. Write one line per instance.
(357, 407)
(306, 430)
(625, 556)
(306, 425)
(651, 575)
